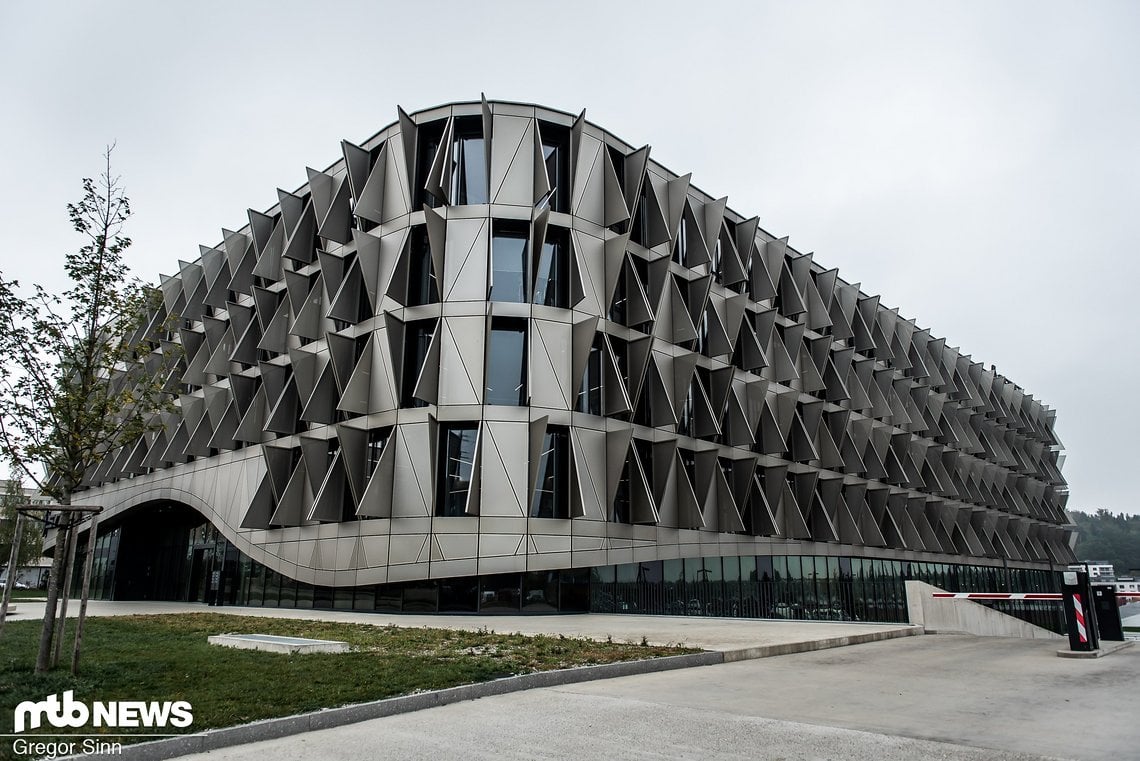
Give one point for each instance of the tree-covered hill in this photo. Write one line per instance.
(1112, 537)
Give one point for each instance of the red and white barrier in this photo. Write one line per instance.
(1080, 613)
(998, 595)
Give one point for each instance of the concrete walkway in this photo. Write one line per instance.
(948, 697)
(738, 638)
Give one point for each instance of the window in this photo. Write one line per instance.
(422, 288)
(469, 179)
(551, 280)
(511, 270)
(552, 489)
(509, 261)
(618, 306)
(556, 154)
(621, 508)
(680, 249)
(506, 363)
(590, 393)
(377, 439)
(685, 420)
(417, 339)
(428, 138)
(347, 506)
(639, 225)
(457, 464)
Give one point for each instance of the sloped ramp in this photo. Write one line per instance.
(941, 616)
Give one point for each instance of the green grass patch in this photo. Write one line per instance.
(30, 594)
(166, 657)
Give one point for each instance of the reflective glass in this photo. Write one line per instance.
(552, 488)
(508, 263)
(506, 363)
(469, 183)
(457, 448)
(550, 281)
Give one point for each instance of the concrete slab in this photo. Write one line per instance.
(954, 698)
(1106, 648)
(271, 643)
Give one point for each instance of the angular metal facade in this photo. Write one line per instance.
(496, 339)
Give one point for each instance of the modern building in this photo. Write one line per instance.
(496, 359)
(1098, 570)
(33, 571)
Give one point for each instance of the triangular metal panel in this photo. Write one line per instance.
(376, 501)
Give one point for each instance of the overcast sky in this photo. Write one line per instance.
(976, 163)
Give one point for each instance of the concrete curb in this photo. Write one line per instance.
(269, 729)
(1106, 648)
(806, 646)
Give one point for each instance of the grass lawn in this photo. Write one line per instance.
(29, 594)
(166, 657)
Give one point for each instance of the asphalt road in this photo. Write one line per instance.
(934, 697)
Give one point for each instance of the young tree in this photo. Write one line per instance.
(73, 383)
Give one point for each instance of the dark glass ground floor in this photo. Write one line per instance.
(173, 554)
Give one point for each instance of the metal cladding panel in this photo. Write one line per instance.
(512, 161)
(590, 462)
(551, 381)
(588, 200)
(504, 478)
(465, 260)
(771, 400)
(461, 360)
(413, 488)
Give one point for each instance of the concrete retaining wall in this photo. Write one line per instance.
(942, 616)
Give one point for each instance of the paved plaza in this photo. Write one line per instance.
(951, 697)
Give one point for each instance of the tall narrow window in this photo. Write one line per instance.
(552, 489)
(680, 249)
(506, 363)
(685, 421)
(417, 339)
(428, 138)
(422, 287)
(622, 512)
(551, 279)
(509, 261)
(556, 155)
(457, 464)
(376, 441)
(590, 394)
(618, 307)
(469, 180)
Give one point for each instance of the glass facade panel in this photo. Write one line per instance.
(457, 462)
(556, 156)
(417, 339)
(506, 363)
(469, 179)
(499, 594)
(422, 285)
(509, 262)
(458, 595)
(552, 487)
(540, 592)
(590, 392)
(551, 285)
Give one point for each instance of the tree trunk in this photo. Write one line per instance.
(17, 539)
(43, 658)
(65, 591)
(87, 563)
